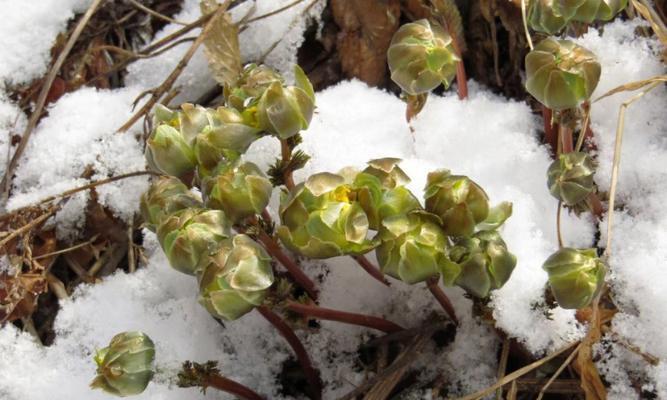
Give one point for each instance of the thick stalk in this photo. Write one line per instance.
(461, 78)
(441, 297)
(565, 134)
(314, 383)
(227, 385)
(274, 249)
(371, 269)
(367, 321)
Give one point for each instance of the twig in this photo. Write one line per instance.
(157, 93)
(274, 12)
(584, 128)
(392, 374)
(43, 94)
(76, 190)
(68, 249)
(301, 354)
(154, 13)
(25, 228)
(441, 297)
(329, 314)
(518, 373)
(131, 259)
(291, 26)
(560, 369)
(502, 365)
(371, 269)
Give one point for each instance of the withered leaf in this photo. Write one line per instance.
(221, 45)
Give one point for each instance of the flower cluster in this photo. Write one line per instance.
(353, 212)
(204, 147)
(551, 16)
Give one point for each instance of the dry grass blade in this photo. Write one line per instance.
(590, 377)
(25, 228)
(617, 161)
(517, 374)
(155, 13)
(560, 369)
(632, 86)
(221, 46)
(650, 15)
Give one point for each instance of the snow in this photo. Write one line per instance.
(638, 252)
(28, 31)
(353, 123)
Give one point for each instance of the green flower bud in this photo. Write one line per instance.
(388, 172)
(570, 177)
(189, 235)
(575, 276)
(609, 8)
(252, 84)
(321, 219)
(413, 248)
(227, 138)
(239, 189)
(126, 366)
(421, 56)
(284, 111)
(484, 262)
(544, 16)
(382, 195)
(165, 196)
(457, 200)
(169, 153)
(561, 74)
(236, 278)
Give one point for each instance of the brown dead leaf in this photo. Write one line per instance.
(366, 29)
(221, 46)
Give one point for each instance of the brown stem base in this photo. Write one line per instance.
(550, 136)
(227, 385)
(367, 321)
(312, 376)
(371, 269)
(441, 297)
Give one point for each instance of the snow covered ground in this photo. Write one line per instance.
(491, 139)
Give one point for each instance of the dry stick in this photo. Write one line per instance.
(560, 369)
(274, 249)
(371, 269)
(154, 13)
(617, 162)
(176, 72)
(345, 317)
(67, 250)
(25, 228)
(584, 129)
(301, 354)
(441, 297)
(518, 373)
(502, 366)
(71, 192)
(274, 12)
(43, 94)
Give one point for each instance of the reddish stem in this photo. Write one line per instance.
(461, 78)
(312, 376)
(550, 137)
(595, 204)
(227, 385)
(565, 133)
(274, 249)
(371, 269)
(368, 321)
(441, 297)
